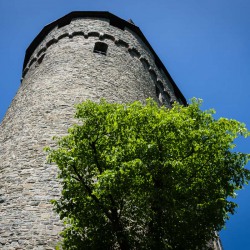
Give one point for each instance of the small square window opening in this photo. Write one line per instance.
(101, 48)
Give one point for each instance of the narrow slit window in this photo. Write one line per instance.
(101, 48)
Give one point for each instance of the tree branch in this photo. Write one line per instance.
(88, 189)
(93, 147)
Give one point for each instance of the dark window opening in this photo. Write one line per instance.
(101, 48)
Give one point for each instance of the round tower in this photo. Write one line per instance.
(83, 55)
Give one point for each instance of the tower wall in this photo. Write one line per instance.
(60, 71)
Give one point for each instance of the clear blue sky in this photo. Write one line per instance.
(205, 45)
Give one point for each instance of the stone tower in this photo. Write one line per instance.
(83, 55)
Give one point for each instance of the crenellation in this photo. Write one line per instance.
(51, 42)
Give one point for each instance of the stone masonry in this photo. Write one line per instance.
(60, 70)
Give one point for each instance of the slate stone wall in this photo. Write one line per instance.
(62, 71)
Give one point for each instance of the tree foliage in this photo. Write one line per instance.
(140, 176)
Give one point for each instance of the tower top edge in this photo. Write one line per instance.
(98, 14)
(77, 14)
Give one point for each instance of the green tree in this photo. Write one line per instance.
(140, 176)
